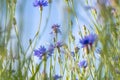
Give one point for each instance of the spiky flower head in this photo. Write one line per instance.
(40, 52)
(56, 77)
(56, 28)
(88, 40)
(40, 3)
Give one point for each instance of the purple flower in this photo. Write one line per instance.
(40, 3)
(88, 40)
(56, 28)
(83, 64)
(56, 77)
(40, 52)
(50, 49)
(59, 44)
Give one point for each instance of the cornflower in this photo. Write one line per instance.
(56, 29)
(56, 77)
(83, 64)
(40, 3)
(40, 52)
(88, 40)
(59, 44)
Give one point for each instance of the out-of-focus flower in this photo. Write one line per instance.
(56, 77)
(51, 49)
(88, 40)
(40, 52)
(83, 64)
(40, 3)
(92, 38)
(76, 78)
(56, 29)
(73, 54)
(59, 44)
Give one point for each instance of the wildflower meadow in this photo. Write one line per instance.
(59, 39)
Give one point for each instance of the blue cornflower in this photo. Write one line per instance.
(88, 40)
(56, 77)
(40, 52)
(83, 64)
(56, 28)
(40, 3)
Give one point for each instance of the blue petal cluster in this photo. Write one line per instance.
(40, 52)
(56, 77)
(49, 51)
(56, 28)
(83, 64)
(40, 3)
(59, 44)
(88, 40)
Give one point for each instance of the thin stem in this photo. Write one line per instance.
(74, 13)
(45, 74)
(90, 68)
(17, 34)
(46, 24)
(36, 37)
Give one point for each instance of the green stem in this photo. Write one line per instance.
(36, 37)
(77, 20)
(45, 75)
(50, 69)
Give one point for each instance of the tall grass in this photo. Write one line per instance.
(84, 46)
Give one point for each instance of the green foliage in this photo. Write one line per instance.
(15, 64)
